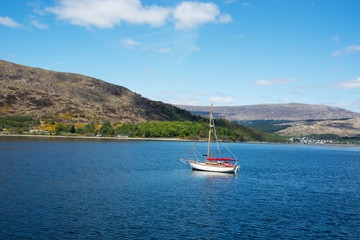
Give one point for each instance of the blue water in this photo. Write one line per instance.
(98, 189)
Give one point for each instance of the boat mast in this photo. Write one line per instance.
(208, 151)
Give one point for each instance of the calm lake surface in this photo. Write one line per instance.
(112, 189)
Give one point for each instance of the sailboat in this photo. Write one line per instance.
(212, 162)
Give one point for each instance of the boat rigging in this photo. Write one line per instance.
(212, 163)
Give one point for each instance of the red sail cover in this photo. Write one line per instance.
(221, 159)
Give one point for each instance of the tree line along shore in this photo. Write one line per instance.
(186, 130)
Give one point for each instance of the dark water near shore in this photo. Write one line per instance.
(93, 189)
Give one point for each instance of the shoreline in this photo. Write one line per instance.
(96, 138)
(124, 138)
(152, 139)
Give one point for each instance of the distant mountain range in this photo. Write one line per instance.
(48, 94)
(291, 111)
(293, 119)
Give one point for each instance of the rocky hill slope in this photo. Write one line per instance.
(342, 128)
(48, 94)
(291, 111)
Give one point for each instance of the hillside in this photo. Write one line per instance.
(67, 103)
(48, 94)
(291, 111)
(291, 120)
(343, 128)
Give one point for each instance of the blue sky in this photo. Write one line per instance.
(225, 52)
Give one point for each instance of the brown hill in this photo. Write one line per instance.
(291, 111)
(342, 128)
(48, 94)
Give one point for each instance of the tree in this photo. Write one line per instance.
(90, 128)
(58, 129)
(107, 129)
(70, 129)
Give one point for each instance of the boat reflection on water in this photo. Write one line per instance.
(212, 174)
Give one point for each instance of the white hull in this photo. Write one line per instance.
(212, 168)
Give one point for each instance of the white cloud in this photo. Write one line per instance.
(38, 24)
(230, 1)
(265, 82)
(224, 18)
(130, 43)
(173, 97)
(221, 100)
(245, 4)
(348, 50)
(192, 14)
(164, 50)
(8, 22)
(109, 13)
(351, 84)
(353, 105)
